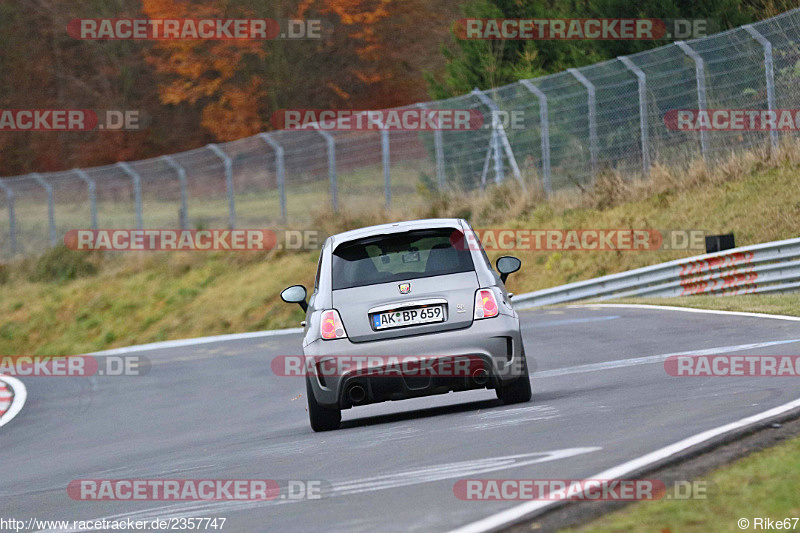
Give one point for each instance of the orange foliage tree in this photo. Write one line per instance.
(220, 76)
(383, 48)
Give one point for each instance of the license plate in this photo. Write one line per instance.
(408, 317)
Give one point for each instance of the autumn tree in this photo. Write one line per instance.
(218, 75)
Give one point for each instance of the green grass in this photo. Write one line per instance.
(142, 297)
(763, 484)
(60, 305)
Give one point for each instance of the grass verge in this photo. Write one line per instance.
(763, 484)
(61, 304)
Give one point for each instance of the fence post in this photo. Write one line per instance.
(51, 207)
(281, 170)
(770, 74)
(438, 150)
(331, 165)
(385, 158)
(499, 137)
(90, 185)
(12, 219)
(226, 160)
(545, 133)
(642, 112)
(498, 163)
(137, 191)
(486, 167)
(592, 103)
(183, 214)
(699, 72)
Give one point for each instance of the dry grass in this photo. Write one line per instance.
(763, 484)
(145, 297)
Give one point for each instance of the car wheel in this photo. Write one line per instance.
(519, 390)
(321, 418)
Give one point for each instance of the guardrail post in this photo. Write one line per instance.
(642, 112)
(438, 150)
(183, 213)
(770, 74)
(137, 191)
(12, 219)
(699, 72)
(280, 166)
(331, 165)
(90, 185)
(51, 207)
(545, 134)
(592, 103)
(499, 137)
(226, 160)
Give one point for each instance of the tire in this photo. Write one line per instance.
(519, 390)
(321, 418)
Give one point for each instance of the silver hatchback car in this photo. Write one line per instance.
(407, 310)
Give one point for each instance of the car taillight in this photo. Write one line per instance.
(485, 304)
(331, 325)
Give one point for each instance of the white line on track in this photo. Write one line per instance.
(515, 513)
(20, 395)
(635, 361)
(391, 480)
(690, 310)
(509, 516)
(199, 340)
(567, 321)
(505, 518)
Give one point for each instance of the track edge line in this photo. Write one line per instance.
(692, 310)
(529, 510)
(20, 397)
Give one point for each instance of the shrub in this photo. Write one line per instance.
(62, 264)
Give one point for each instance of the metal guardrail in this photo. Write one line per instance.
(772, 267)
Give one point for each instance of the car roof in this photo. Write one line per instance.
(396, 227)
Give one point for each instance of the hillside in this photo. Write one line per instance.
(72, 302)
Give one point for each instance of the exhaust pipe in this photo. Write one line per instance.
(480, 377)
(356, 394)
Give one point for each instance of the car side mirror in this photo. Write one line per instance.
(296, 294)
(507, 265)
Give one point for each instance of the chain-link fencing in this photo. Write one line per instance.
(576, 125)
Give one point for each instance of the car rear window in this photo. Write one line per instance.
(397, 257)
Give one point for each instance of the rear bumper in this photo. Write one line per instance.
(494, 342)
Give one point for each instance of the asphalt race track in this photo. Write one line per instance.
(218, 411)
